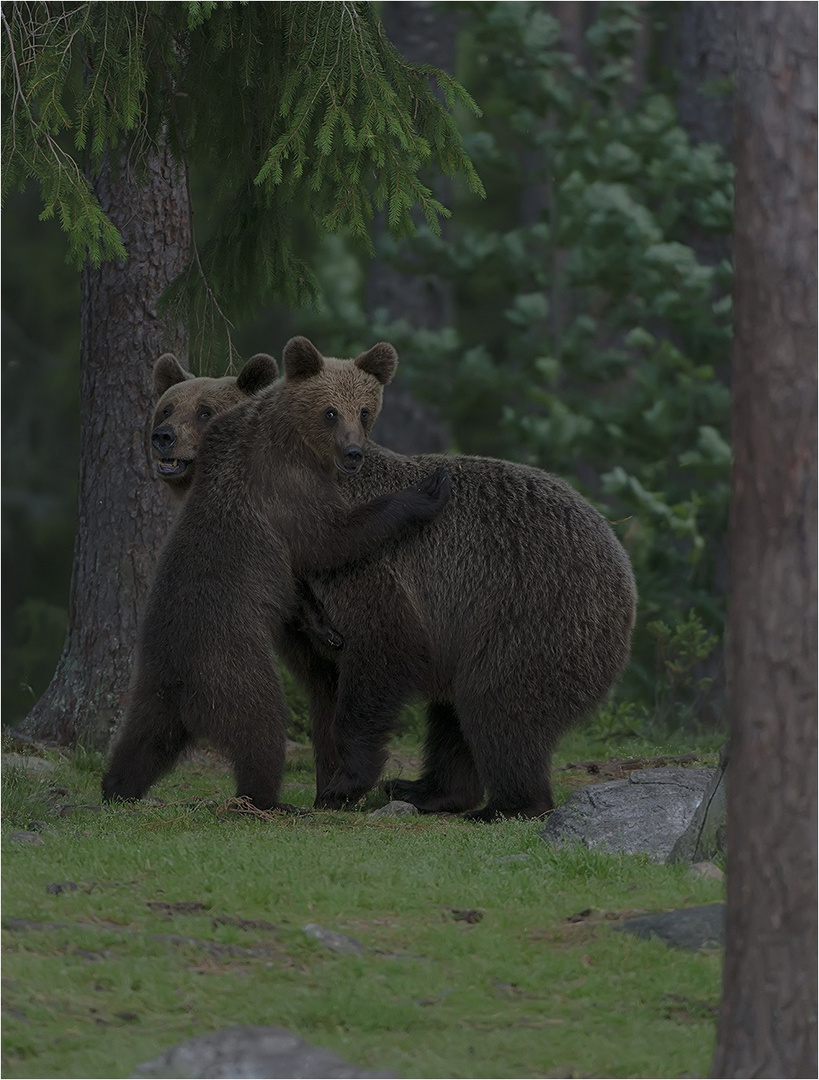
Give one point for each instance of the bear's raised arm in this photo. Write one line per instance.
(358, 532)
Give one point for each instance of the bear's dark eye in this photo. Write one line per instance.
(204, 412)
(365, 416)
(166, 412)
(330, 415)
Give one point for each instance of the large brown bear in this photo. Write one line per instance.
(511, 615)
(186, 404)
(264, 509)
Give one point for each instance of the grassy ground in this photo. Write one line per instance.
(485, 953)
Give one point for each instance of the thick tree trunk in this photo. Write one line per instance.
(122, 518)
(768, 1017)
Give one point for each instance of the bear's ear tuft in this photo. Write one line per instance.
(260, 371)
(302, 360)
(381, 361)
(168, 372)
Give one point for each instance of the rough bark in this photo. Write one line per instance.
(768, 1017)
(122, 519)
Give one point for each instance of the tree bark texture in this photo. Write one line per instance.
(767, 1024)
(122, 517)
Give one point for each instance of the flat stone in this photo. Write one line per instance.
(693, 929)
(26, 838)
(261, 1053)
(331, 939)
(396, 808)
(643, 815)
(34, 766)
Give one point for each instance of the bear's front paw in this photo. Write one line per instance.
(436, 486)
(432, 494)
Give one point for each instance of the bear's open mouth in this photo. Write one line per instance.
(171, 466)
(350, 470)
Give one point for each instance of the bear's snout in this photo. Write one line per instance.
(351, 459)
(163, 439)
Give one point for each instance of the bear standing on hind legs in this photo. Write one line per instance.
(185, 405)
(265, 509)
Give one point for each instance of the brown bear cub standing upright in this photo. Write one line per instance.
(186, 404)
(265, 508)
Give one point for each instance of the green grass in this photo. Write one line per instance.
(185, 918)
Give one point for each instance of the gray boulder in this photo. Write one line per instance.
(643, 815)
(250, 1052)
(694, 928)
(705, 836)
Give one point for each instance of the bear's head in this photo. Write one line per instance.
(187, 403)
(335, 402)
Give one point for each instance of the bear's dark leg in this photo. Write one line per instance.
(449, 782)
(319, 679)
(512, 758)
(251, 733)
(367, 712)
(313, 618)
(146, 747)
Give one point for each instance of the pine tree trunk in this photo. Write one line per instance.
(768, 1017)
(122, 517)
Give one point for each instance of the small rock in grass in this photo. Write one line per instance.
(34, 766)
(32, 838)
(331, 939)
(395, 809)
(708, 870)
(251, 1052)
(57, 887)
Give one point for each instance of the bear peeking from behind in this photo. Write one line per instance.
(264, 510)
(187, 403)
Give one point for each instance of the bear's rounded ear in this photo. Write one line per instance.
(260, 371)
(381, 361)
(302, 360)
(168, 372)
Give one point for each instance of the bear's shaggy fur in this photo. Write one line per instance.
(187, 403)
(265, 508)
(511, 615)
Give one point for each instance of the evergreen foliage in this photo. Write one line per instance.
(305, 112)
(590, 339)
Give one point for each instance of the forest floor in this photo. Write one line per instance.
(481, 951)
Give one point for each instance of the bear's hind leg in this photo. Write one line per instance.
(251, 733)
(366, 713)
(449, 782)
(147, 746)
(512, 756)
